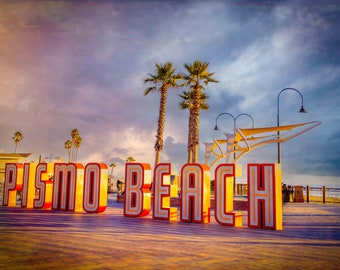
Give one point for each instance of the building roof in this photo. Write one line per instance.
(12, 155)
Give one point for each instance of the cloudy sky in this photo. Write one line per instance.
(81, 64)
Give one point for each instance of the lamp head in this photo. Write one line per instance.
(302, 110)
(216, 127)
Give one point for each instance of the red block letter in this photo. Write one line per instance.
(195, 193)
(44, 185)
(224, 197)
(12, 183)
(28, 187)
(264, 196)
(161, 193)
(95, 188)
(137, 189)
(68, 187)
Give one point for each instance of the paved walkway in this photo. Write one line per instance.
(38, 239)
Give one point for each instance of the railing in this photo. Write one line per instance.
(321, 194)
(310, 194)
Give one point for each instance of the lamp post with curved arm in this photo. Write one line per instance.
(234, 119)
(302, 110)
(225, 113)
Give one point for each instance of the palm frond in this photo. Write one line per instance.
(149, 89)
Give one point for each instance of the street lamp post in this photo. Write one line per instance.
(225, 113)
(302, 110)
(234, 119)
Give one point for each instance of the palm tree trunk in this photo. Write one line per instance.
(73, 154)
(196, 139)
(189, 156)
(160, 130)
(157, 158)
(76, 155)
(196, 109)
(189, 149)
(195, 154)
(190, 137)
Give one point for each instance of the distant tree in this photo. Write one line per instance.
(187, 104)
(72, 146)
(74, 136)
(163, 79)
(17, 138)
(130, 159)
(68, 146)
(197, 73)
(74, 133)
(112, 165)
(77, 144)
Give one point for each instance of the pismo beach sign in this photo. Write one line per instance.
(74, 187)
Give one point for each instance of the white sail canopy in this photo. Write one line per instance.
(247, 139)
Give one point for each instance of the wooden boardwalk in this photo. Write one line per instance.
(36, 239)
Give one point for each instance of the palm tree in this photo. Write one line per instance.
(187, 104)
(68, 146)
(130, 159)
(77, 144)
(17, 138)
(112, 165)
(197, 74)
(74, 136)
(163, 78)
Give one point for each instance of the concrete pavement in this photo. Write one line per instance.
(43, 239)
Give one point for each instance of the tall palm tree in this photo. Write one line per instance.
(17, 138)
(197, 74)
(68, 146)
(163, 78)
(187, 104)
(77, 144)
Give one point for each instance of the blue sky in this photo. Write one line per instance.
(81, 64)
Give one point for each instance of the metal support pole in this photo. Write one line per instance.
(308, 193)
(323, 194)
(234, 119)
(302, 110)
